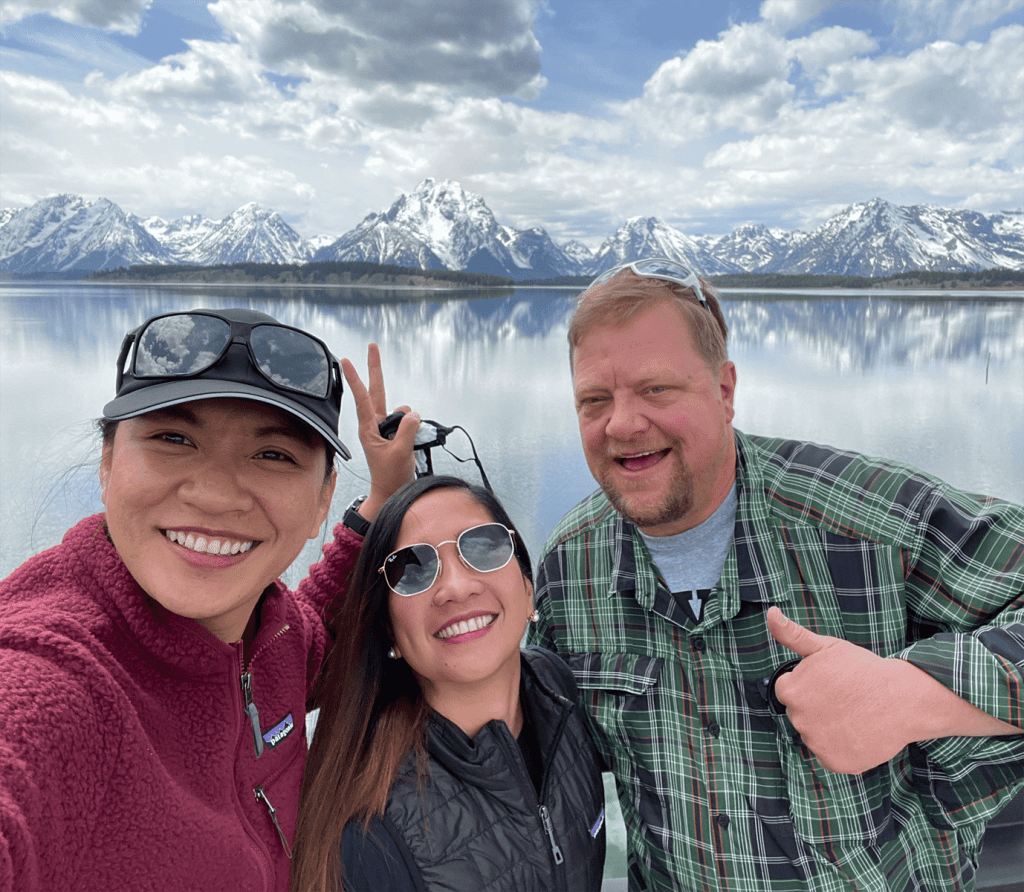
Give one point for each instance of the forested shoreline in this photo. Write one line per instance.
(370, 275)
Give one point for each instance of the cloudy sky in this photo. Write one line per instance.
(568, 114)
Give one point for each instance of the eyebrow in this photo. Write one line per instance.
(296, 431)
(180, 412)
(292, 429)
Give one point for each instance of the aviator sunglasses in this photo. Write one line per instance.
(412, 570)
(658, 268)
(181, 345)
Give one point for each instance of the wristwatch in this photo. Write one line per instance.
(354, 520)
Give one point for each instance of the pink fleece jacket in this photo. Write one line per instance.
(128, 759)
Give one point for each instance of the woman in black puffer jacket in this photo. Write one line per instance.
(446, 758)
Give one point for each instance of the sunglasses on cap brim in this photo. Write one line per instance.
(184, 345)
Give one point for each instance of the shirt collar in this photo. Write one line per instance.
(753, 570)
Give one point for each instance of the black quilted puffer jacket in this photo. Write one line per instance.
(479, 823)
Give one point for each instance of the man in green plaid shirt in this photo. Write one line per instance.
(857, 739)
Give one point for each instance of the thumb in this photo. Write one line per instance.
(406, 433)
(793, 636)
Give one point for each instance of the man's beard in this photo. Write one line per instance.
(676, 504)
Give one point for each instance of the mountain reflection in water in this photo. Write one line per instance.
(934, 381)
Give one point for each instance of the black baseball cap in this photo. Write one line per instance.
(209, 354)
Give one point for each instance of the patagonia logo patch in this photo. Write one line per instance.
(279, 732)
(598, 824)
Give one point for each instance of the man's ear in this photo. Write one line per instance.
(727, 383)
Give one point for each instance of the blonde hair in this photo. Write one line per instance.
(626, 294)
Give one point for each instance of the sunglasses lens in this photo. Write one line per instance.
(487, 547)
(180, 345)
(411, 570)
(291, 360)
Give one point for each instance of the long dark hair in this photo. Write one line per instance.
(372, 709)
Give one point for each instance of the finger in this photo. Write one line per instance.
(793, 636)
(405, 436)
(378, 398)
(364, 407)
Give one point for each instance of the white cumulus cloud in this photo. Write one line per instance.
(124, 16)
(949, 19)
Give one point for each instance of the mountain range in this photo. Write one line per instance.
(439, 225)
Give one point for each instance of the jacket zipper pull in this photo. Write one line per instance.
(251, 711)
(546, 820)
(261, 796)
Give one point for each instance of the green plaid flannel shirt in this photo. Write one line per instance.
(719, 793)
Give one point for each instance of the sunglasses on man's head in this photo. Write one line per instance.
(414, 569)
(180, 345)
(658, 268)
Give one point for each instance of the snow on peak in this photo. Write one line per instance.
(441, 225)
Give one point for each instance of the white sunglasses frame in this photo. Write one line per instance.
(690, 280)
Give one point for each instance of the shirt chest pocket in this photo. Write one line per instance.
(830, 808)
(619, 690)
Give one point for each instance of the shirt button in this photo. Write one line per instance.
(714, 730)
(699, 644)
(722, 821)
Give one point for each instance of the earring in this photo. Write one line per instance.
(392, 653)
(534, 616)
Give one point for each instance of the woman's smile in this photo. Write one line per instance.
(464, 626)
(209, 543)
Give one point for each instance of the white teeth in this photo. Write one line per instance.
(208, 546)
(467, 625)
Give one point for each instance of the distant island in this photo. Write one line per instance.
(342, 273)
(364, 274)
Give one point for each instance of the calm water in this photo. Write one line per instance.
(938, 382)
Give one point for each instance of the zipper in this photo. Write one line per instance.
(248, 706)
(261, 796)
(250, 710)
(514, 757)
(546, 821)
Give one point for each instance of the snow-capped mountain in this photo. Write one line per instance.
(320, 241)
(536, 256)
(67, 233)
(876, 238)
(249, 235)
(752, 247)
(180, 236)
(580, 253)
(641, 237)
(441, 226)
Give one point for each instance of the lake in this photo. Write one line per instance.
(937, 381)
(934, 379)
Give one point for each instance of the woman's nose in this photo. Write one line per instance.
(216, 489)
(455, 580)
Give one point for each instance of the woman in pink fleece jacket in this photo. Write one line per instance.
(154, 671)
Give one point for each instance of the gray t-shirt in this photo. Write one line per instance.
(691, 562)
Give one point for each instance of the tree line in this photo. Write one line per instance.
(329, 272)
